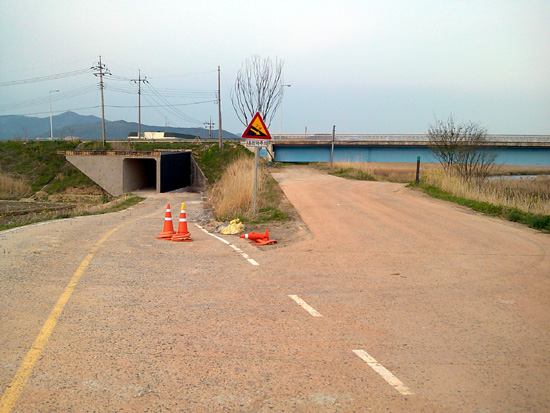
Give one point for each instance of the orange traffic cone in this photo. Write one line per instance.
(168, 230)
(257, 238)
(183, 233)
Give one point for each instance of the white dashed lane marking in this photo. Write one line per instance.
(305, 306)
(384, 372)
(245, 256)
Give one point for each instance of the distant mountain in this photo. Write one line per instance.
(85, 127)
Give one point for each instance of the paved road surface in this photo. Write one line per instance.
(407, 304)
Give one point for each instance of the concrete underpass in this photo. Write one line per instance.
(119, 172)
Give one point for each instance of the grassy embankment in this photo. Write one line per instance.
(35, 169)
(526, 201)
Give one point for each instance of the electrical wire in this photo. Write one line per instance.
(45, 78)
(169, 107)
(54, 97)
(35, 68)
(184, 74)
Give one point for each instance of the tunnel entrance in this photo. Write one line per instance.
(139, 174)
(121, 172)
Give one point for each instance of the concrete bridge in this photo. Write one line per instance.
(510, 149)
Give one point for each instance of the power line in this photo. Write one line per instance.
(44, 99)
(35, 68)
(170, 107)
(45, 78)
(183, 74)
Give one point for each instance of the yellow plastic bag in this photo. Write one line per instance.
(234, 227)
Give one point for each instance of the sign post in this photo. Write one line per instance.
(257, 136)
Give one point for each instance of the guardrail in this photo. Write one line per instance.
(406, 138)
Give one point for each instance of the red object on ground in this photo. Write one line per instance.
(257, 238)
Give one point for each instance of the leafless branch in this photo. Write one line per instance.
(461, 148)
(257, 88)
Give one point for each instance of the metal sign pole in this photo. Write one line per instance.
(258, 136)
(256, 156)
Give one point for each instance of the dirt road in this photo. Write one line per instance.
(398, 302)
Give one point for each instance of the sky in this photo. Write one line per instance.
(365, 66)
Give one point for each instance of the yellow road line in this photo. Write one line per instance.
(12, 393)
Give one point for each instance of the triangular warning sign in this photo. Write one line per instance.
(256, 129)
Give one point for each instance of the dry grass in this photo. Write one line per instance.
(399, 172)
(13, 188)
(528, 195)
(233, 194)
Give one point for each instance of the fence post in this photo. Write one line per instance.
(332, 147)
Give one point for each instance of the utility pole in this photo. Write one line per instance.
(209, 125)
(102, 70)
(138, 81)
(219, 110)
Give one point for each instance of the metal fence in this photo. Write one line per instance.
(406, 138)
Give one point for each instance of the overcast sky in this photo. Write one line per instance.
(370, 66)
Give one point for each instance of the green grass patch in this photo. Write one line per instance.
(270, 214)
(35, 162)
(266, 215)
(71, 177)
(213, 160)
(131, 201)
(273, 197)
(352, 173)
(539, 222)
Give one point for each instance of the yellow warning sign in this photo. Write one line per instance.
(256, 129)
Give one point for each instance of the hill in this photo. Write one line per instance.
(84, 127)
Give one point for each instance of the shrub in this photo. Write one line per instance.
(541, 222)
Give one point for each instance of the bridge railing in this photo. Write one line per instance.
(404, 138)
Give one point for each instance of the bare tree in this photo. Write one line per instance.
(257, 89)
(445, 138)
(461, 148)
